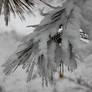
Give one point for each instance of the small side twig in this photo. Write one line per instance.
(49, 5)
(32, 26)
(42, 13)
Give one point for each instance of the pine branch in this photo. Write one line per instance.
(17, 7)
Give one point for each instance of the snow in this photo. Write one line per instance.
(16, 82)
(20, 26)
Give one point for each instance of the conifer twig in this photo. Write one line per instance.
(32, 25)
(49, 5)
(42, 13)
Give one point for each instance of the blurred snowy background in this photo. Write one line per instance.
(10, 37)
